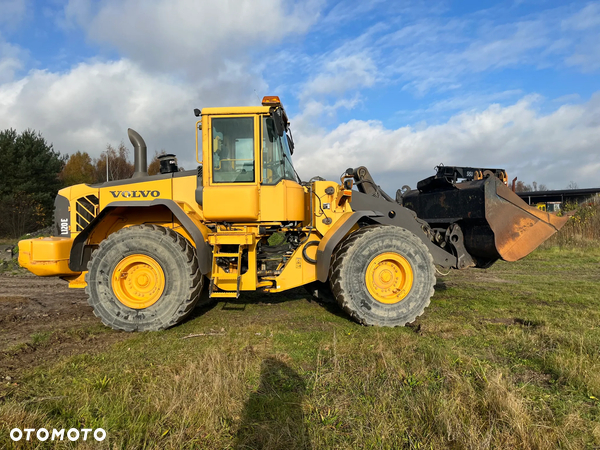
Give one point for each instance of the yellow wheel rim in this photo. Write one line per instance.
(389, 278)
(138, 281)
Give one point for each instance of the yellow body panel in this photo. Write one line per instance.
(46, 257)
(184, 193)
(76, 192)
(132, 192)
(76, 281)
(124, 217)
(283, 202)
(325, 206)
(232, 203)
(298, 271)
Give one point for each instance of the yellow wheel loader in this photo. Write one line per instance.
(143, 248)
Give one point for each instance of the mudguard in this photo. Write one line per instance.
(375, 210)
(80, 252)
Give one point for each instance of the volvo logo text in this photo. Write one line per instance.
(135, 194)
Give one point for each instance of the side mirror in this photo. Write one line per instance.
(290, 144)
(277, 116)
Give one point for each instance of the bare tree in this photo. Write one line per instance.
(119, 166)
(572, 185)
(154, 166)
(533, 187)
(522, 187)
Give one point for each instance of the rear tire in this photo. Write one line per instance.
(143, 278)
(383, 276)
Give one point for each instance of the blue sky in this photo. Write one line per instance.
(397, 86)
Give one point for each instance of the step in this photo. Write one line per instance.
(225, 276)
(226, 255)
(224, 294)
(230, 238)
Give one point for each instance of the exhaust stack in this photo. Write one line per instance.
(140, 157)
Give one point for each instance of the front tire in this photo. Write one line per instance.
(143, 278)
(383, 276)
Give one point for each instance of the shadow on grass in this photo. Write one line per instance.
(440, 284)
(273, 416)
(325, 300)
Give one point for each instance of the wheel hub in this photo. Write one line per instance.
(389, 278)
(138, 281)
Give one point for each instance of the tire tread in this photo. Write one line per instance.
(194, 276)
(338, 267)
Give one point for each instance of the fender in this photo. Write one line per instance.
(335, 234)
(81, 253)
(395, 215)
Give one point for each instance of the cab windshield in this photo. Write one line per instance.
(277, 158)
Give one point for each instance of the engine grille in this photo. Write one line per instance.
(86, 209)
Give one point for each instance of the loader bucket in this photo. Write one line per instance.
(495, 222)
(518, 228)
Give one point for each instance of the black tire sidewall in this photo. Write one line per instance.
(372, 243)
(166, 252)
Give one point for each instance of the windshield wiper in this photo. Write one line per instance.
(292, 166)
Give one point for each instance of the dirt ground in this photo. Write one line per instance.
(42, 320)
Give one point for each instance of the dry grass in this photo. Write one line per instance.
(582, 229)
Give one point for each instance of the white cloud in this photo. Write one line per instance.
(427, 53)
(12, 12)
(11, 61)
(584, 29)
(451, 54)
(550, 148)
(587, 56)
(181, 54)
(187, 36)
(342, 74)
(587, 17)
(94, 103)
(12, 57)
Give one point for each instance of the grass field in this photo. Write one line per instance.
(507, 357)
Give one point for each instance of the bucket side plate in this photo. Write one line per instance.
(518, 228)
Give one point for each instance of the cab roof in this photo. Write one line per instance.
(236, 110)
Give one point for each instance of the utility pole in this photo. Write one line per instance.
(107, 166)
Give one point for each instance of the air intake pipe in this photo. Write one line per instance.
(140, 157)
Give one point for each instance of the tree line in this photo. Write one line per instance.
(32, 172)
(520, 186)
(80, 167)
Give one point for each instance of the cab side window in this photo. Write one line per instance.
(233, 150)
(277, 158)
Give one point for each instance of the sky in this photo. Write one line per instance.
(397, 86)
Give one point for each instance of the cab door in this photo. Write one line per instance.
(282, 199)
(231, 186)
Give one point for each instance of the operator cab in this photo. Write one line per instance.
(248, 174)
